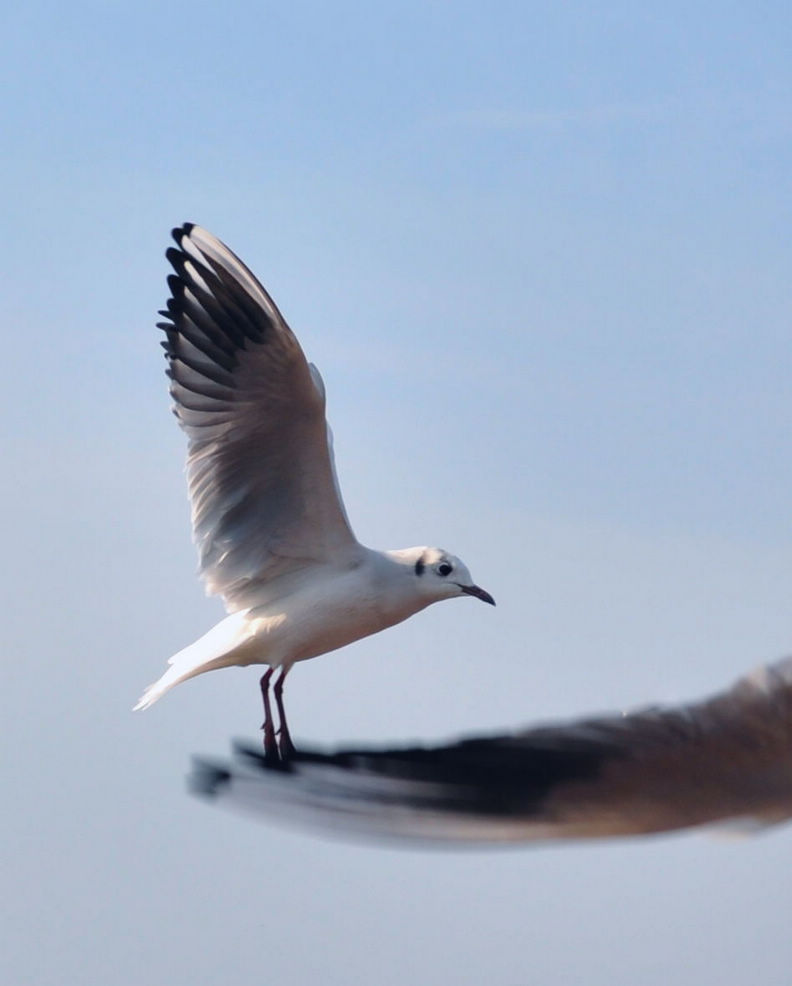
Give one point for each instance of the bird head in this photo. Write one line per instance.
(441, 575)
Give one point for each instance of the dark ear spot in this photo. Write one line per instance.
(420, 565)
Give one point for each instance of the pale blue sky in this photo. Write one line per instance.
(541, 255)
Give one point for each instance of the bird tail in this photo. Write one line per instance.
(219, 648)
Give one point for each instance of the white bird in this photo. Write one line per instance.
(727, 759)
(271, 530)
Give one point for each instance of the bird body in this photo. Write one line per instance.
(301, 620)
(272, 533)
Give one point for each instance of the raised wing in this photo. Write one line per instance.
(728, 758)
(265, 500)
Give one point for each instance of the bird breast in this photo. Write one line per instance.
(329, 612)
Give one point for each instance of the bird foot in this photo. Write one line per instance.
(285, 745)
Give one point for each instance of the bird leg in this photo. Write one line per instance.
(286, 746)
(270, 742)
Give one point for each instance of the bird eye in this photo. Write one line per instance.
(445, 568)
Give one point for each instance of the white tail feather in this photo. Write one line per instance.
(219, 648)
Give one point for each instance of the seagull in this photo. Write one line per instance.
(273, 537)
(726, 760)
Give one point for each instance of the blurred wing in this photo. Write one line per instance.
(727, 758)
(265, 499)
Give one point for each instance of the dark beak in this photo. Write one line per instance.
(482, 594)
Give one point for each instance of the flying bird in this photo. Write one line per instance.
(273, 537)
(727, 759)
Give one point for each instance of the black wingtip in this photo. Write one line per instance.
(175, 283)
(184, 230)
(206, 778)
(174, 257)
(179, 232)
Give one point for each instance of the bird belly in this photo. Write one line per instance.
(314, 626)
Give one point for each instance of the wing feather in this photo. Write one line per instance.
(723, 760)
(265, 498)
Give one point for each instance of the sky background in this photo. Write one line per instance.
(541, 254)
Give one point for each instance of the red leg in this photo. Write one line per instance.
(286, 745)
(270, 742)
